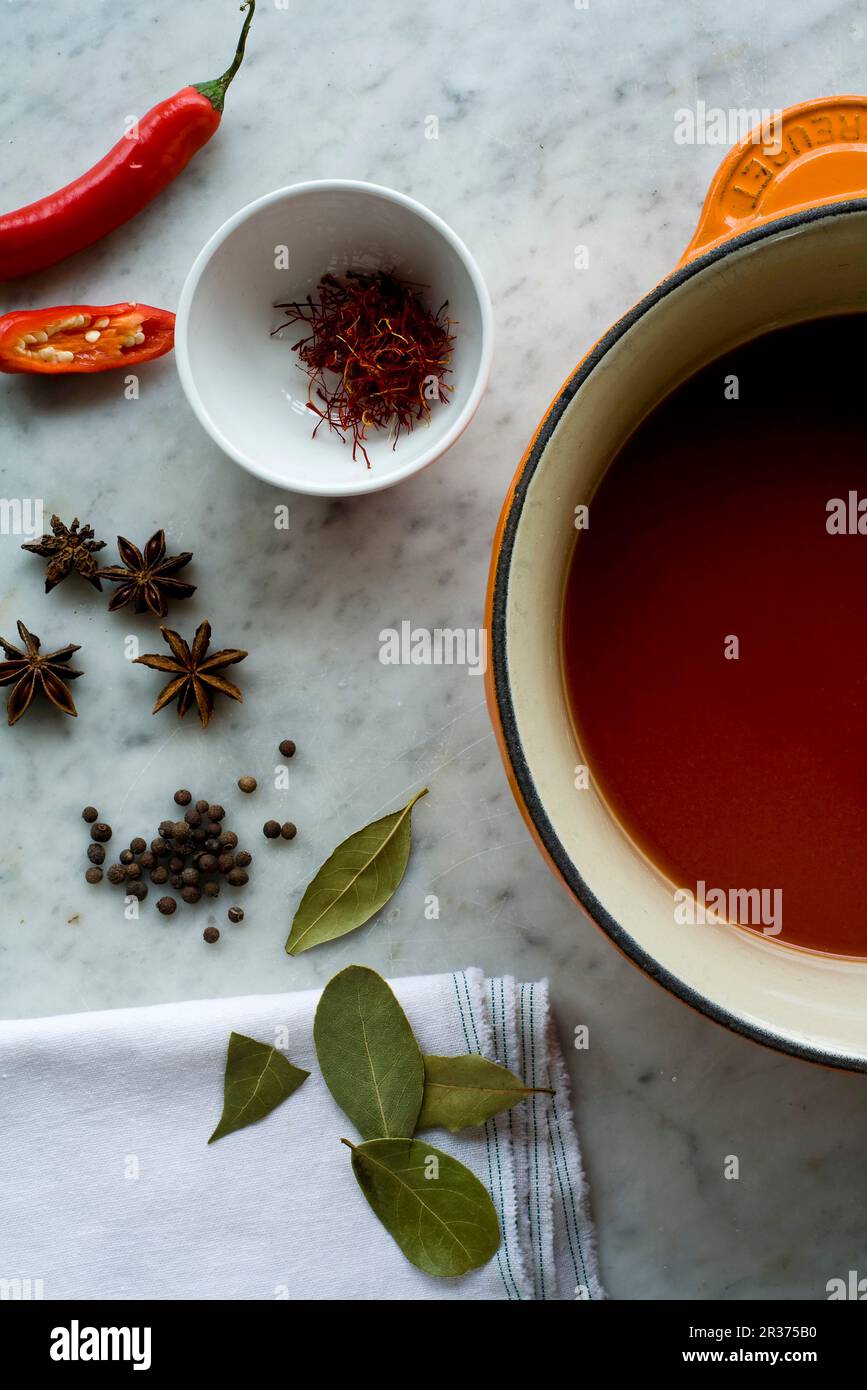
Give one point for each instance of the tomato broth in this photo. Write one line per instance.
(715, 636)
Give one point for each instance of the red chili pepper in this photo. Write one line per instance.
(83, 338)
(121, 184)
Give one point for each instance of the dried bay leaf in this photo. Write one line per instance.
(355, 882)
(467, 1090)
(258, 1078)
(436, 1210)
(370, 1060)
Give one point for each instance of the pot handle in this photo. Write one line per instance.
(807, 156)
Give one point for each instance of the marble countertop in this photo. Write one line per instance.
(555, 131)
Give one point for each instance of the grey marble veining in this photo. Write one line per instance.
(555, 130)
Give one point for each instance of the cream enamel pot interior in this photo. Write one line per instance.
(741, 278)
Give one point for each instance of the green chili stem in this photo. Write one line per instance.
(215, 91)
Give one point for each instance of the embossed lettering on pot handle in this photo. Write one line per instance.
(808, 156)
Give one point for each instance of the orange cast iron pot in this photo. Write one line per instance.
(819, 161)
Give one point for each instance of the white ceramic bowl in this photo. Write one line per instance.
(247, 387)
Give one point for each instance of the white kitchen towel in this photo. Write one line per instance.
(109, 1188)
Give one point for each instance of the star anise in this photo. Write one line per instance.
(28, 671)
(147, 581)
(194, 674)
(67, 550)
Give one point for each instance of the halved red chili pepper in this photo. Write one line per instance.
(83, 338)
(120, 185)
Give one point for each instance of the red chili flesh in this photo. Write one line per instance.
(139, 167)
(83, 338)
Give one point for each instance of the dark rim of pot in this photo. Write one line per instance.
(502, 691)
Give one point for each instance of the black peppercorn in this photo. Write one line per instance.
(137, 890)
(228, 839)
(159, 874)
(212, 845)
(271, 829)
(190, 893)
(93, 875)
(226, 861)
(210, 934)
(166, 829)
(215, 811)
(183, 797)
(200, 835)
(235, 914)
(202, 807)
(138, 845)
(192, 818)
(126, 856)
(133, 871)
(247, 784)
(90, 813)
(147, 859)
(160, 848)
(212, 889)
(243, 858)
(96, 854)
(207, 864)
(288, 830)
(167, 905)
(117, 873)
(175, 881)
(237, 878)
(190, 876)
(287, 748)
(181, 830)
(212, 828)
(176, 863)
(100, 831)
